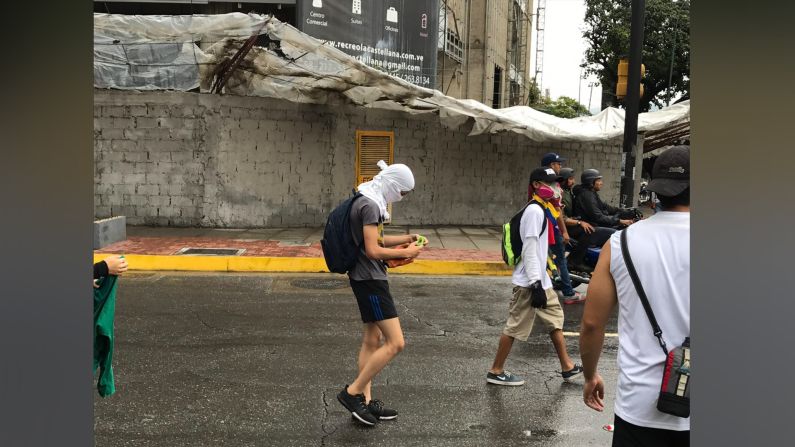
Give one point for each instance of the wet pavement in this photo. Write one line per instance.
(257, 360)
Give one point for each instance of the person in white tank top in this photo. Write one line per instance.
(660, 250)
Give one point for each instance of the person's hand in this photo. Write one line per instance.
(117, 265)
(626, 222)
(538, 297)
(413, 250)
(588, 228)
(593, 393)
(566, 238)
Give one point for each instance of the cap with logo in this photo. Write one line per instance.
(542, 174)
(671, 172)
(550, 158)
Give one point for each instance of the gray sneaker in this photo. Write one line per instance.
(505, 378)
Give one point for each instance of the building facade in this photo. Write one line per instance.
(170, 158)
(485, 48)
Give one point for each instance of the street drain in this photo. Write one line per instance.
(211, 251)
(322, 284)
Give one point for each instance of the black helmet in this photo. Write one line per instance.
(589, 176)
(565, 173)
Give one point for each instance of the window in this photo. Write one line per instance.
(453, 47)
(371, 146)
(449, 41)
(496, 100)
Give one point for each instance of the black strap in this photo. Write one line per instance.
(543, 225)
(641, 293)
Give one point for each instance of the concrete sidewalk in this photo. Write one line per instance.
(452, 250)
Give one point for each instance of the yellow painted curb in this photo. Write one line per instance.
(297, 265)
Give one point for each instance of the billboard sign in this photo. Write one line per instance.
(396, 36)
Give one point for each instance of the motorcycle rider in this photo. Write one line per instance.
(585, 234)
(590, 207)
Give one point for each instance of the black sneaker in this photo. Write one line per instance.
(355, 404)
(378, 410)
(577, 370)
(504, 378)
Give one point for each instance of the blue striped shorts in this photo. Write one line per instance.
(375, 301)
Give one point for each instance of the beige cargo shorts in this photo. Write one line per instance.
(522, 315)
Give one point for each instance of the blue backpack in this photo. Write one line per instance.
(339, 248)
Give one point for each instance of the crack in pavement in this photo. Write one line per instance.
(206, 324)
(324, 420)
(444, 333)
(546, 384)
(439, 332)
(529, 367)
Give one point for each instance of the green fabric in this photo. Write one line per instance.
(568, 203)
(507, 249)
(104, 310)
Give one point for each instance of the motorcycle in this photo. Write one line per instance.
(577, 278)
(644, 195)
(647, 198)
(590, 259)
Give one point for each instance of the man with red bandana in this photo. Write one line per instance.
(533, 295)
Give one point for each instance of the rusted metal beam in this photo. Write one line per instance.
(674, 128)
(227, 67)
(667, 135)
(658, 143)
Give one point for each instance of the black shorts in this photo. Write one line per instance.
(630, 435)
(375, 301)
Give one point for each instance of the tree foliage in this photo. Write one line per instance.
(666, 33)
(563, 107)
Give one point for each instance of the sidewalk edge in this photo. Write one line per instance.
(297, 265)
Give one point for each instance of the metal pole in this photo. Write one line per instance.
(671, 69)
(466, 54)
(670, 75)
(632, 105)
(486, 30)
(444, 53)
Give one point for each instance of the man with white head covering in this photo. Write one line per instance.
(368, 280)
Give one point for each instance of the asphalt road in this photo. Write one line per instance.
(257, 360)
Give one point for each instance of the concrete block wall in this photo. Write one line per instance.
(189, 159)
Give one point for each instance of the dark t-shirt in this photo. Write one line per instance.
(568, 203)
(366, 212)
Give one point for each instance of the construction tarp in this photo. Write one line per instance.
(184, 53)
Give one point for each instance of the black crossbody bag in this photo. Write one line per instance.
(675, 389)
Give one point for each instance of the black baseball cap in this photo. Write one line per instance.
(671, 172)
(550, 158)
(543, 174)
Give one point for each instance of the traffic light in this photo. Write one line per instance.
(623, 75)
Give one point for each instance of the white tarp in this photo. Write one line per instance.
(182, 52)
